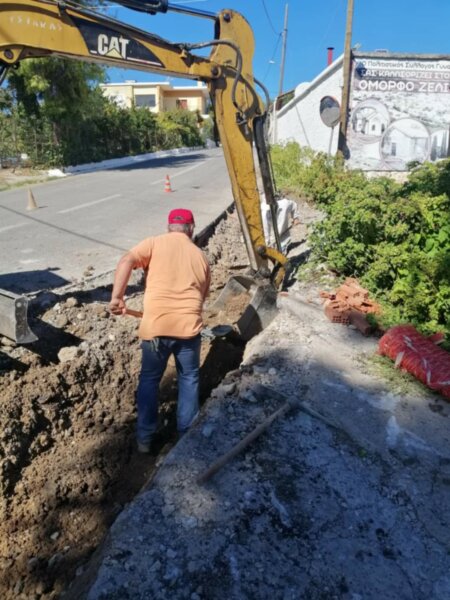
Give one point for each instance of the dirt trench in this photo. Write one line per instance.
(68, 463)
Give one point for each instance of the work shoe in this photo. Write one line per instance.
(143, 448)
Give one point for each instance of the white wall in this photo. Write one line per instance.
(300, 120)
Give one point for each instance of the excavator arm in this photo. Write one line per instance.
(41, 28)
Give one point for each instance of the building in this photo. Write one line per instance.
(158, 97)
(399, 110)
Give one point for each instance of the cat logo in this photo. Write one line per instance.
(112, 46)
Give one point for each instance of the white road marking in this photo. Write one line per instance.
(8, 227)
(86, 204)
(29, 261)
(182, 172)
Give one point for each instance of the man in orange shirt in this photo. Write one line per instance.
(177, 284)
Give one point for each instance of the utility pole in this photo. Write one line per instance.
(280, 88)
(283, 51)
(342, 143)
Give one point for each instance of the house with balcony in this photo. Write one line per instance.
(158, 96)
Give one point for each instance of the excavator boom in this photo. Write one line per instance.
(40, 28)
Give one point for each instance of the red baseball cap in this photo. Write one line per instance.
(181, 216)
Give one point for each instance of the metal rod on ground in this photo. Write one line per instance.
(220, 462)
(303, 406)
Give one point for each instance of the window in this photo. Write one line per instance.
(148, 100)
(182, 103)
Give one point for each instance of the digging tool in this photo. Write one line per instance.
(134, 313)
(223, 460)
(206, 333)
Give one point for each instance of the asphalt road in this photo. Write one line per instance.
(90, 220)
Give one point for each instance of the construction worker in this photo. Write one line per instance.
(177, 283)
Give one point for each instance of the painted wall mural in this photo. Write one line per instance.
(400, 112)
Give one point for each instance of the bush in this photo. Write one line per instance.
(395, 238)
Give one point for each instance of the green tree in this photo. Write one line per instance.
(179, 128)
(61, 93)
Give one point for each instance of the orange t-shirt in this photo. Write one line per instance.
(177, 284)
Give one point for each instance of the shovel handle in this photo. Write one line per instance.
(134, 313)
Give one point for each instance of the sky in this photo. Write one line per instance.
(411, 26)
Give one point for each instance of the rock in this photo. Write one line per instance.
(272, 371)
(7, 342)
(189, 522)
(98, 309)
(207, 430)
(32, 563)
(218, 393)
(229, 388)
(249, 396)
(44, 398)
(68, 353)
(61, 321)
(172, 573)
(55, 535)
(155, 566)
(81, 316)
(53, 560)
(167, 510)
(71, 302)
(18, 587)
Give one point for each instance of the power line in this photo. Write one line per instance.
(338, 7)
(273, 56)
(268, 17)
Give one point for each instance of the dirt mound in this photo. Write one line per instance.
(67, 458)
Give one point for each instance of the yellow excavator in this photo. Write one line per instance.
(41, 28)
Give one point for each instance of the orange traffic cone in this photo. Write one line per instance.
(167, 187)
(31, 201)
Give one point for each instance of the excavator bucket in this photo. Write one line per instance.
(13, 318)
(251, 306)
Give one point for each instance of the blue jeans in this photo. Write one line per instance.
(155, 354)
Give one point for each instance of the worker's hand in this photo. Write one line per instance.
(117, 306)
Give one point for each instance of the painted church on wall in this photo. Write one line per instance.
(399, 111)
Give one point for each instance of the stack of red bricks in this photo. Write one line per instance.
(350, 304)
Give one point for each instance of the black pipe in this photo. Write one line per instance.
(266, 174)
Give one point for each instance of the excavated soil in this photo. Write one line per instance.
(68, 463)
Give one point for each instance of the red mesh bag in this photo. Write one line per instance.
(418, 355)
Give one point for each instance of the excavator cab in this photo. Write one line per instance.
(67, 29)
